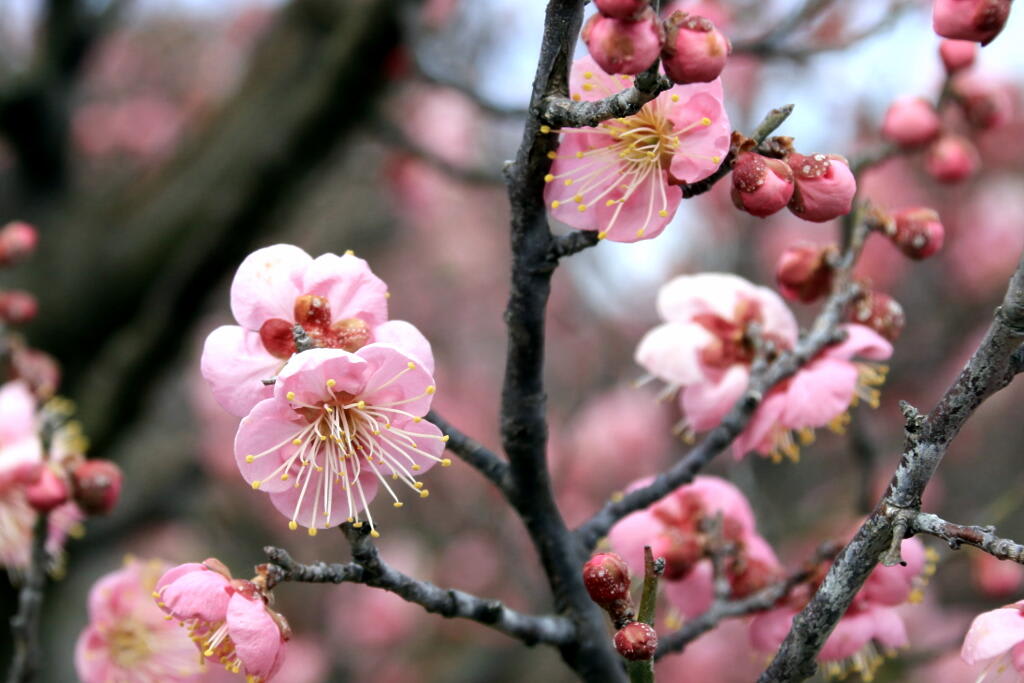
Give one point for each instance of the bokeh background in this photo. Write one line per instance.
(154, 144)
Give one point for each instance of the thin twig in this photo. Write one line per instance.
(955, 535)
(25, 623)
(477, 455)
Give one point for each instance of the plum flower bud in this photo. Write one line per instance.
(825, 186)
(17, 241)
(911, 122)
(48, 492)
(636, 641)
(881, 313)
(976, 20)
(951, 159)
(97, 486)
(606, 576)
(804, 273)
(985, 105)
(957, 54)
(695, 51)
(917, 232)
(761, 186)
(629, 10)
(624, 47)
(17, 307)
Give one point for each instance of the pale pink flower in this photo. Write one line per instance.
(128, 638)
(997, 639)
(228, 619)
(21, 451)
(338, 301)
(338, 425)
(620, 177)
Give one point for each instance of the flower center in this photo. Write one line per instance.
(128, 643)
(313, 314)
(644, 138)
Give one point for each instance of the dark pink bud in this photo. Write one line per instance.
(911, 122)
(760, 185)
(825, 186)
(17, 307)
(606, 576)
(881, 313)
(695, 51)
(957, 54)
(986, 105)
(636, 641)
(804, 273)
(976, 20)
(951, 159)
(97, 486)
(17, 241)
(48, 492)
(624, 47)
(622, 9)
(917, 232)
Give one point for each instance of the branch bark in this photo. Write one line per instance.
(25, 623)
(955, 535)
(477, 455)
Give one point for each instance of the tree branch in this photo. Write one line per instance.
(477, 455)
(560, 110)
(25, 624)
(982, 537)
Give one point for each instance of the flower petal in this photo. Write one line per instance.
(706, 403)
(671, 352)
(265, 436)
(639, 205)
(199, 594)
(584, 171)
(585, 72)
(305, 508)
(235, 363)
(818, 393)
(395, 379)
(694, 594)
(267, 284)
(305, 375)
(408, 338)
(992, 634)
(861, 342)
(683, 297)
(701, 146)
(257, 638)
(350, 287)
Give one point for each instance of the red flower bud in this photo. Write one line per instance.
(976, 20)
(17, 307)
(97, 486)
(881, 313)
(951, 159)
(957, 54)
(624, 47)
(48, 492)
(17, 241)
(636, 641)
(825, 186)
(761, 186)
(629, 10)
(695, 51)
(804, 273)
(911, 122)
(917, 232)
(606, 576)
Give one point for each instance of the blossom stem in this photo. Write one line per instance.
(25, 623)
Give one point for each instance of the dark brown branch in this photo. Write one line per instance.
(955, 535)
(25, 623)
(479, 456)
(560, 110)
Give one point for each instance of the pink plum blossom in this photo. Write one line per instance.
(128, 638)
(228, 619)
(337, 300)
(338, 425)
(996, 638)
(619, 178)
(21, 451)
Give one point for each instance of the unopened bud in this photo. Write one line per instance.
(48, 492)
(881, 313)
(17, 307)
(17, 241)
(622, 9)
(825, 186)
(804, 273)
(951, 159)
(606, 576)
(986, 105)
(957, 54)
(976, 20)
(761, 186)
(911, 122)
(695, 51)
(624, 47)
(918, 232)
(37, 368)
(97, 486)
(636, 641)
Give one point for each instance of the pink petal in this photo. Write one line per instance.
(311, 506)
(601, 164)
(694, 594)
(671, 352)
(992, 634)
(701, 148)
(266, 434)
(818, 393)
(643, 204)
(408, 338)
(21, 461)
(257, 638)
(850, 635)
(719, 495)
(425, 435)
(390, 379)
(778, 320)
(17, 412)
(757, 435)
(113, 595)
(234, 364)
(629, 536)
(862, 342)
(199, 594)
(892, 585)
(175, 573)
(267, 284)
(603, 84)
(683, 297)
(706, 403)
(350, 287)
(890, 630)
(769, 629)
(1017, 655)
(306, 376)
(92, 660)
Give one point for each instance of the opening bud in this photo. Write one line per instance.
(48, 492)
(624, 47)
(760, 185)
(975, 20)
(629, 10)
(804, 272)
(952, 159)
(606, 576)
(17, 307)
(881, 313)
(17, 241)
(97, 486)
(825, 186)
(695, 51)
(957, 54)
(911, 122)
(918, 232)
(636, 641)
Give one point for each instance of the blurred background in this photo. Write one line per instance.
(155, 144)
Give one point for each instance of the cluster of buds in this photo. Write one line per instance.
(978, 21)
(816, 187)
(607, 580)
(627, 37)
(17, 242)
